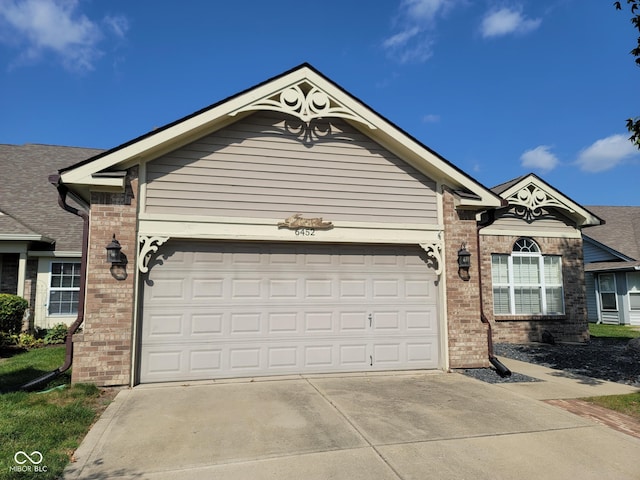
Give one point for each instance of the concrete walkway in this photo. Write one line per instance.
(408, 425)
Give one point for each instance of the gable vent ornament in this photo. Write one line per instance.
(305, 101)
(531, 201)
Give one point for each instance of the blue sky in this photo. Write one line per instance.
(500, 88)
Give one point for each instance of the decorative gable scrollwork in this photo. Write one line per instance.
(531, 202)
(304, 101)
(148, 245)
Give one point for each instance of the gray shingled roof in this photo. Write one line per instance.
(27, 199)
(621, 232)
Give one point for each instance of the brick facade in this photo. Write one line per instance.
(570, 327)
(467, 335)
(102, 351)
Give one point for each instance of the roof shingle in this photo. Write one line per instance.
(29, 201)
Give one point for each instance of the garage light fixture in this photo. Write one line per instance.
(114, 252)
(464, 262)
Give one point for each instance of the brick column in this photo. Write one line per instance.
(467, 334)
(102, 351)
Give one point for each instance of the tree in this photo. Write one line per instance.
(633, 124)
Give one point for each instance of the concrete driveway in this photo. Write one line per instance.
(403, 426)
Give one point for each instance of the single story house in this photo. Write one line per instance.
(40, 244)
(612, 266)
(292, 229)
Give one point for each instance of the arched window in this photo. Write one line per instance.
(527, 282)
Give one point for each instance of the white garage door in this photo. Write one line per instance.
(216, 310)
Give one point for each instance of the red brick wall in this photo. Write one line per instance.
(102, 352)
(467, 335)
(571, 327)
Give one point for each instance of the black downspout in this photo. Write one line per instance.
(62, 201)
(501, 369)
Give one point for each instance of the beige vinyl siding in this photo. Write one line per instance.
(551, 223)
(256, 168)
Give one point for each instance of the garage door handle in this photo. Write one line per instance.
(371, 360)
(370, 320)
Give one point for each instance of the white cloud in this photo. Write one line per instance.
(401, 38)
(431, 118)
(606, 153)
(413, 41)
(118, 24)
(505, 21)
(42, 27)
(539, 158)
(424, 10)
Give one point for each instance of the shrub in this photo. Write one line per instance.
(57, 334)
(12, 310)
(27, 340)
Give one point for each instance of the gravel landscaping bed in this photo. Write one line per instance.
(605, 359)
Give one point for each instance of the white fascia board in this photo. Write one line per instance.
(538, 233)
(54, 254)
(11, 237)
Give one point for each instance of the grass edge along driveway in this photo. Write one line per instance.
(39, 431)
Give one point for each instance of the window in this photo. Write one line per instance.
(526, 282)
(608, 297)
(633, 281)
(64, 288)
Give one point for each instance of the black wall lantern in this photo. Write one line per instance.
(114, 253)
(464, 262)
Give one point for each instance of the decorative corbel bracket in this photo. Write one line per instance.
(147, 246)
(434, 253)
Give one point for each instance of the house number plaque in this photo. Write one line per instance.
(305, 227)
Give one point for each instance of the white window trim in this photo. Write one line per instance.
(631, 292)
(542, 285)
(614, 291)
(51, 289)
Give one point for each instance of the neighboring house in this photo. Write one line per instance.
(291, 229)
(612, 266)
(40, 244)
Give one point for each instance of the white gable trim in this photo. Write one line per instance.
(303, 92)
(530, 195)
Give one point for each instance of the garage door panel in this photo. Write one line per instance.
(283, 323)
(206, 324)
(207, 289)
(168, 290)
(216, 310)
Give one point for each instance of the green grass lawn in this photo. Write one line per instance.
(613, 331)
(52, 422)
(627, 404)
